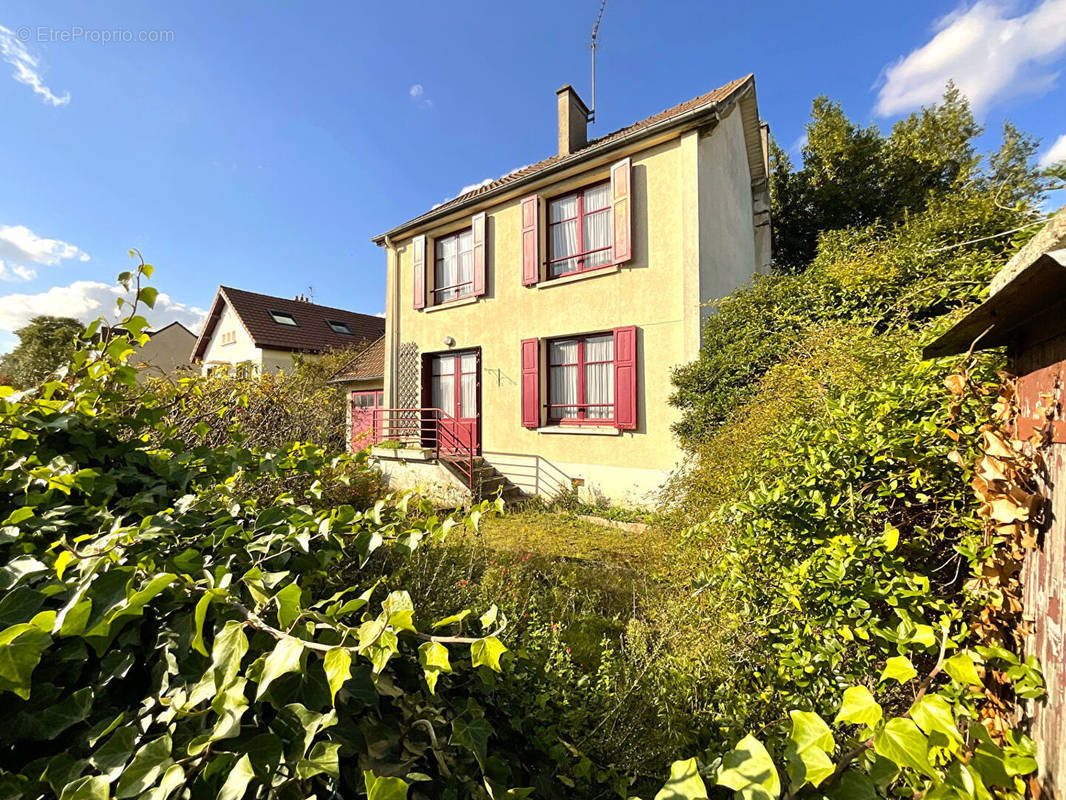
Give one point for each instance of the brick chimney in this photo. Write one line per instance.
(573, 121)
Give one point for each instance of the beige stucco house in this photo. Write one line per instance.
(537, 319)
(266, 333)
(165, 353)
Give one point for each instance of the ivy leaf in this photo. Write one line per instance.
(808, 747)
(852, 785)
(473, 735)
(199, 615)
(288, 600)
(960, 667)
(384, 788)
(486, 652)
(284, 658)
(323, 758)
(112, 756)
(149, 763)
(903, 744)
(433, 656)
(933, 714)
(858, 707)
(489, 617)
(749, 771)
(338, 667)
(148, 295)
(684, 783)
(172, 779)
(899, 668)
(21, 647)
(454, 618)
(890, 537)
(237, 781)
(93, 787)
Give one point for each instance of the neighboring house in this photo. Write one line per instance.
(267, 332)
(542, 314)
(361, 379)
(166, 352)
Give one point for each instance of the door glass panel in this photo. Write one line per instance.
(468, 400)
(443, 393)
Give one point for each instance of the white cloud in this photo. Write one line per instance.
(380, 314)
(1055, 153)
(27, 68)
(418, 95)
(16, 272)
(87, 300)
(417, 90)
(19, 243)
(987, 53)
(20, 247)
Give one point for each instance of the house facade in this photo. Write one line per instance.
(542, 314)
(266, 333)
(165, 353)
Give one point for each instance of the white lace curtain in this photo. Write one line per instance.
(455, 267)
(599, 378)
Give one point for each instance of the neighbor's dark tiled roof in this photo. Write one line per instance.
(311, 333)
(713, 96)
(370, 363)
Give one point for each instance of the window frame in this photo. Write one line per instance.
(435, 292)
(275, 314)
(581, 255)
(347, 330)
(582, 363)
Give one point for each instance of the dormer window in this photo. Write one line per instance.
(339, 327)
(283, 318)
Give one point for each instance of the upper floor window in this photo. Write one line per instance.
(283, 318)
(453, 276)
(339, 327)
(581, 379)
(580, 236)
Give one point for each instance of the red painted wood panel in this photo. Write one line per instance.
(1041, 367)
(625, 378)
(530, 241)
(530, 383)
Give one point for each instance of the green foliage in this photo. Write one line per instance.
(160, 630)
(45, 344)
(934, 747)
(268, 410)
(899, 280)
(856, 177)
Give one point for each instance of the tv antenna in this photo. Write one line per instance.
(592, 47)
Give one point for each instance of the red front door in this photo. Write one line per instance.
(455, 389)
(363, 405)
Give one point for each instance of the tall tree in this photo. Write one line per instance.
(853, 176)
(45, 343)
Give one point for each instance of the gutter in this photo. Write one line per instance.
(604, 147)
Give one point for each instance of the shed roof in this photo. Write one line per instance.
(368, 363)
(1032, 280)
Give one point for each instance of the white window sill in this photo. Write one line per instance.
(452, 304)
(579, 276)
(581, 430)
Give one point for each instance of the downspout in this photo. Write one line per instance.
(392, 321)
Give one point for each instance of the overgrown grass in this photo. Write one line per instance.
(612, 667)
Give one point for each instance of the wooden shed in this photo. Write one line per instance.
(1026, 312)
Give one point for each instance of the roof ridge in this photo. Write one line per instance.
(303, 303)
(713, 96)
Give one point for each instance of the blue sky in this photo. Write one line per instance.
(262, 144)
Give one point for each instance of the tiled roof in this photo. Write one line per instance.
(311, 334)
(713, 96)
(370, 363)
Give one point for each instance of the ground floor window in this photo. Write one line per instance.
(581, 379)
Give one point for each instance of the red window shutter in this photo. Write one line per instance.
(530, 241)
(479, 254)
(531, 383)
(622, 210)
(418, 259)
(625, 378)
